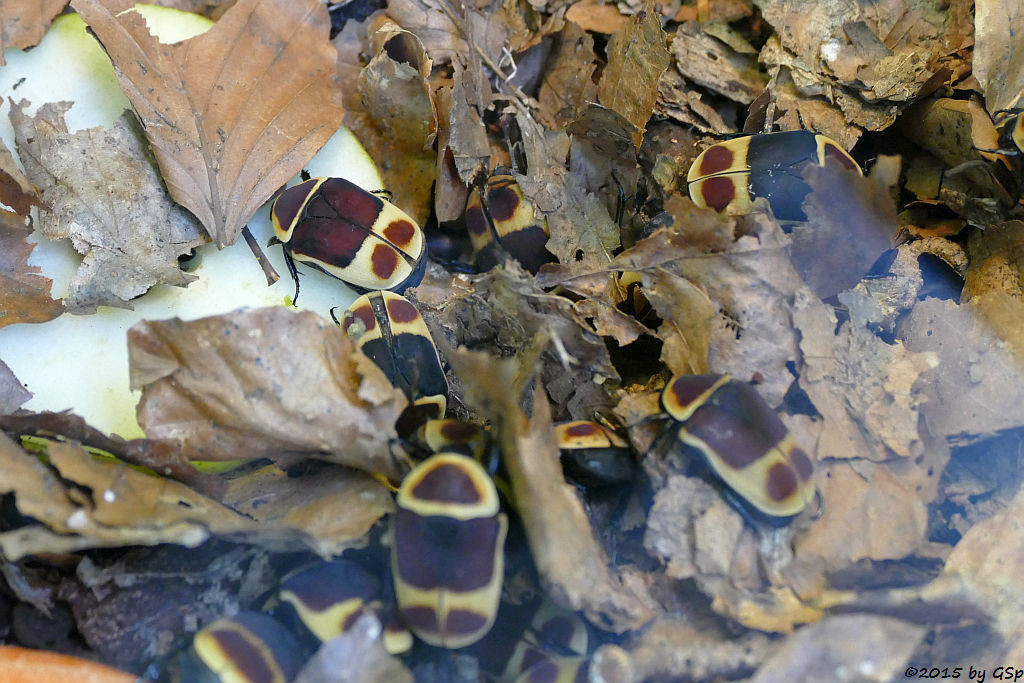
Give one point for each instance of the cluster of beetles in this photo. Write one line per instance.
(455, 500)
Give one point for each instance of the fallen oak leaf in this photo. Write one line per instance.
(264, 383)
(24, 293)
(233, 113)
(23, 22)
(102, 191)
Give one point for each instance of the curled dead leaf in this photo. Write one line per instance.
(264, 383)
(233, 113)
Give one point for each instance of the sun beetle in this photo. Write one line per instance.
(341, 229)
(593, 455)
(568, 669)
(730, 175)
(744, 443)
(391, 332)
(502, 221)
(326, 598)
(448, 550)
(455, 436)
(247, 648)
(555, 633)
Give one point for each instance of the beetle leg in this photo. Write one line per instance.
(290, 262)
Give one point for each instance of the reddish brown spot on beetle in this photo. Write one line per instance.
(243, 654)
(502, 199)
(781, 482)
(716, 160)
(557, 630)
(688, 388)
(364, 313)
(801, 463)
(421, 618)
(384, 260)
(582, 429)
(834, 154)
(461, 621)
(459, 431)
(447, 483)
(348, 200)
(402, 311)
(400, 233)
(476, 221)
(718, 192)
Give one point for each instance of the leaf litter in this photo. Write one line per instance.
(885, 330)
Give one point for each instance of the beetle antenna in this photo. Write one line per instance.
(304, 175)
(334, 317)
(290, 262)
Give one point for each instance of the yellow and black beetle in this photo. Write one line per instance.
(341, 229)
(555, 635)
(744, 443)
(391, 332)
(729, 176)
(327, 597)
(503, 221)
(448, 550)
(593, 455)
(247, 648)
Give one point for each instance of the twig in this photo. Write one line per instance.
(261, 258)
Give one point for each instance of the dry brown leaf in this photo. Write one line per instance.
(24, 294)
(572, 565)
(986, 563)
(998, 58)
(399, 121)
(429, 21)
(464, 134)
(505, 312)
(637, 57)
(16, 190)
(997, 261)
(863, 387)
(591, 15)
(24, 22)
(233, 113)
(102, 191)
(331, 508)
(878, 517)
(751, 287)
(115, 506)
(568, 81)
(263, 383)
(848, 647)
(163, 457)
(977, 387)
(884, 55)
(708, 62)
(687, 316)
(850, 221)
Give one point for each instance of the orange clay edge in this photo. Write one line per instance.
(22, 665)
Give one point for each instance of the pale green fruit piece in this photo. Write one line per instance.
(80, 362)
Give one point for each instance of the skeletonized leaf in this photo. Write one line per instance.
(103, 193)
(233, 113)
(637, 57)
